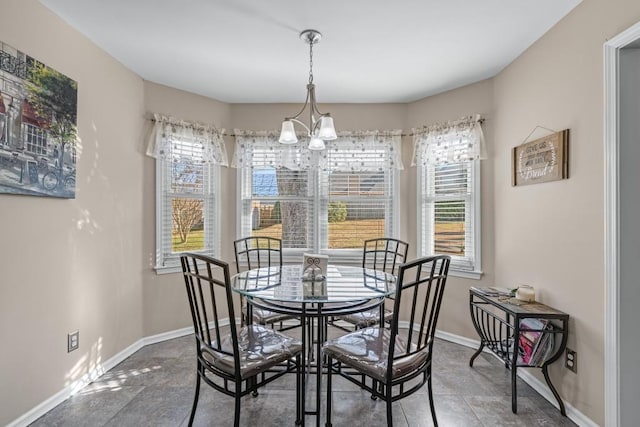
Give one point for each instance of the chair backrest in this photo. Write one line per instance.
(420, 287)
(257, 252)
(202, 276)
(384, 254)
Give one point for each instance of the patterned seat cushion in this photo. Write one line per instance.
(366, 318)
(367, 350)
(260, 349)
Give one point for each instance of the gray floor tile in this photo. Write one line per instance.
(155, 387)
(177, 347)
(358, 409)
(155, 406)
(451, 411)
(94, 405)
(153, 371)
(268, 408)
(496, 411)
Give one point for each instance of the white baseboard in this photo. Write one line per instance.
(75, 386)
(572, 413)
(44, 407)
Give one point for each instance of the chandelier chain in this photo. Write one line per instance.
(310, 62)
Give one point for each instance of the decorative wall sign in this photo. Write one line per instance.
(542, 160)
(38, 111)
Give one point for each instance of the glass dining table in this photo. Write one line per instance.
(344, 290)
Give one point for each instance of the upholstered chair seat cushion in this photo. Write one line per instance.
(259, 349)
(367, 318)
(367, 351)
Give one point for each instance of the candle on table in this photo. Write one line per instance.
(526, 293)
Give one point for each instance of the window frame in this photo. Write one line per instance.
(288, 254)
(425, 233)
(211, 214)
(320, 232)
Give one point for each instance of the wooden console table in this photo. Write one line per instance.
(497, 320)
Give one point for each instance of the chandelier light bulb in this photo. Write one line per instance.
(327, 131)
(316, 144)
(288, 133)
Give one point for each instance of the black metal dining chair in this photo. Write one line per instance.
(384, 254)
(239, 361)
(258, 252)
(389, 363)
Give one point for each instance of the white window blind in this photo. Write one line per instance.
(357, 196)
(188, 159)
(448, 212)
(270, 194)
(448, 159)
(325, 202)
(187, 203)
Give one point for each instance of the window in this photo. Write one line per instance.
(359, 204)
(278, 202)
(36, 139)
(187, 191)
(322, 202)
(449, 193)
(447, 219)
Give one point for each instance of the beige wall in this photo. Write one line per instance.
(551, 235)
(165, 307)
(87, 263)
(72, 264)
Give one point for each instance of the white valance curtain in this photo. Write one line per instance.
(208, 144)
(357, 151)
(261, 149)
(449, 142)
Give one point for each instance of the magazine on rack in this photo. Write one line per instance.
(534, 345)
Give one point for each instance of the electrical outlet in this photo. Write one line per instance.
(73, 341)
(571, 360)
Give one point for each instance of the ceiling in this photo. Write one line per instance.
(372, 51)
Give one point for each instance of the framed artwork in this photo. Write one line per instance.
(542, 160)
(38, 115)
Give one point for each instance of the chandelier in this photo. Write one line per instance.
(320, 127)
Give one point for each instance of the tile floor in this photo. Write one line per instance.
(154, 387)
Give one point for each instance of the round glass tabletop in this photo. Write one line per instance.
(342, 284)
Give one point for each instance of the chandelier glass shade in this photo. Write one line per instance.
(320, 126)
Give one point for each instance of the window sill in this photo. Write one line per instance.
(475, 275)
(167, 269)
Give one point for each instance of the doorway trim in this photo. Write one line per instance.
(612, 216)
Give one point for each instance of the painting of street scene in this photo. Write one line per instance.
(38, 113)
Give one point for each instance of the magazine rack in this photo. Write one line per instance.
(504, 324)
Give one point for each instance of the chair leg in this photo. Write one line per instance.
(431, 405)
(236, 418)
(250, 384)
(329, 369)
(389, 403)
(299, 385)
(195, 399)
